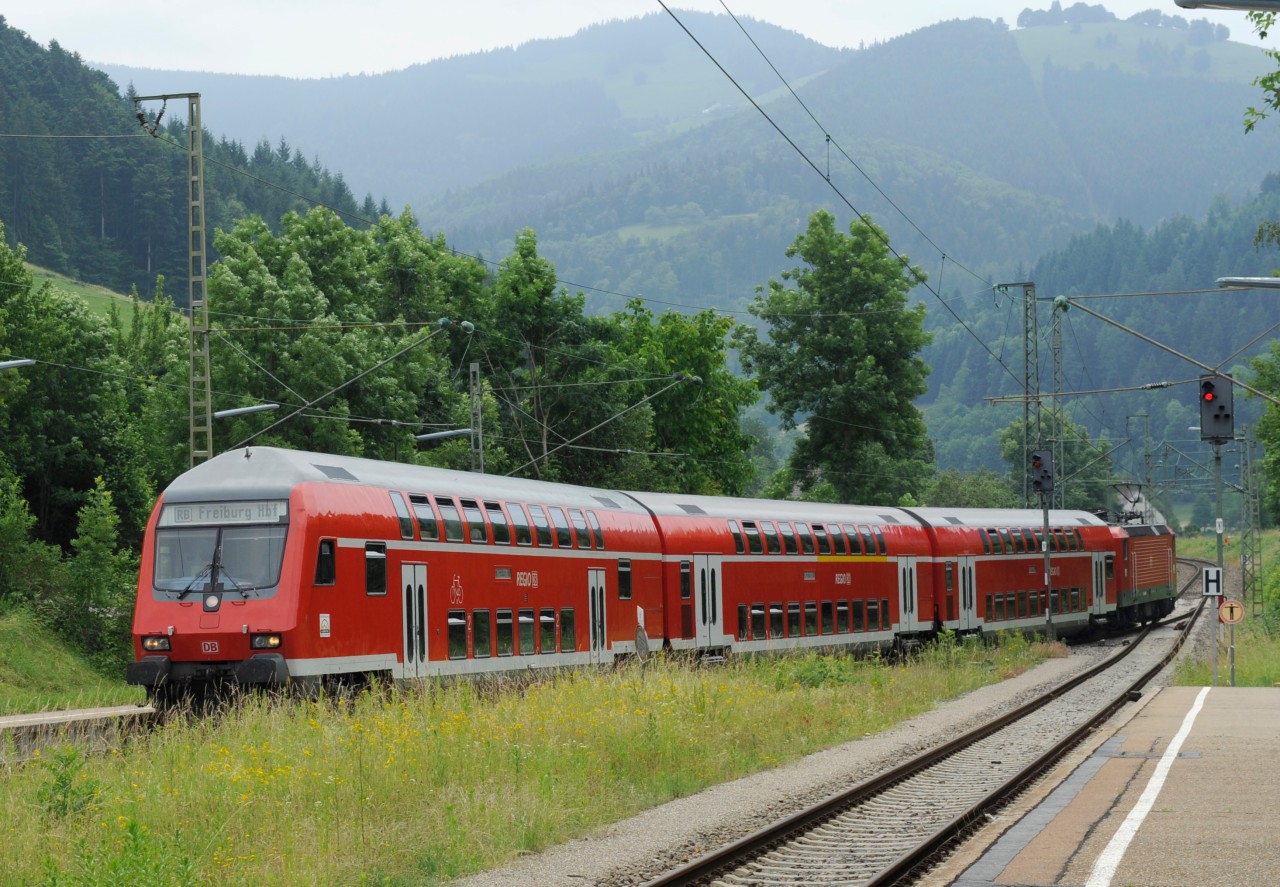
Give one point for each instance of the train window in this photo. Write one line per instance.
(520, 523)
(506, 634)
(743, 624)
(1038, 534)
(451, 519)
(1080, 538)
(1006, 542)
(884, 613)
(547, 630)
(771, 543)
(788, 538)
(580, 527)
(986, 541)
(402, 513)
(525, 619)
(478, 531)
(1030, 538)
(568, 639)
(686, 580)
(806, 538)
(753, 537)
(842, 617)
(793, 619)
(855, 544)
(326, 562)
(428, 526)
(375, 568)
(1062, 538)
(498, 520)
(991, 608)
(837, 539)
(457, 634)
(481, 636)
(811, 618)
(1022, 605)
(820, 534)
(596, 531)
(758, 617)
(1111, 566)
(738, 544)
(868, 541)
(564, 535)
(540, 524)
(997, 546)
(1019, 544)
(873, 615)
(775, 621)
(858, 623)
(624, 578)
(828, 618)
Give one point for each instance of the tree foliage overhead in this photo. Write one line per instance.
(842, 359)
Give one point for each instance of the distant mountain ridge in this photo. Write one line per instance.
(451, 123)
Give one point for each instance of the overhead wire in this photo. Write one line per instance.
(832, 185)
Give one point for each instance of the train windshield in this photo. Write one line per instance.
(227, 547)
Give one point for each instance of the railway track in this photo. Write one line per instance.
(882, 830)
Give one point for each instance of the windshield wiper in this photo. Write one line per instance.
(204, 571)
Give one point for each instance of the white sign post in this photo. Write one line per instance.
(1212, 588)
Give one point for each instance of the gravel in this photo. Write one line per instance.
(641, 848)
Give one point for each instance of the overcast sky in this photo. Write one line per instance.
(319, 38)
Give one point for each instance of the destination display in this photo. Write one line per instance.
(222, 513)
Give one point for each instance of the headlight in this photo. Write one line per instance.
(155, 644)
(264, 641)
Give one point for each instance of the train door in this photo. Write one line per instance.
(413, 579)
(1099, 606)
(708, 601)
(909, 619)
(595, 614)
(968, 588)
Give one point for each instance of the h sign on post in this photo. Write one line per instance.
(1212, 582)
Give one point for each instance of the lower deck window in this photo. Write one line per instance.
(775, 621)
(758, 618)
(842, 617)
(873, 615)
(793, 619)
(568, 640)
(547, 630)
(457, 634)
(811, 618)
(506, 634)
(481, 634)
(858, 622)
(828, 618)
(743, 622)
(526, 633)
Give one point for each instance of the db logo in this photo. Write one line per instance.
(208, 646)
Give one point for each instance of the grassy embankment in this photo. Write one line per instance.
(416, 788)
(1257, 638)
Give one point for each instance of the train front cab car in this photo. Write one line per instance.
(267, 567)
(988, 569)
(758, 576)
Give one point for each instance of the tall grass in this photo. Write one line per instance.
(419, 787)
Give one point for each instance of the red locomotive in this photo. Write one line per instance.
(267, 567)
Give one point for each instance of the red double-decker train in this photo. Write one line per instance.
(269, 567)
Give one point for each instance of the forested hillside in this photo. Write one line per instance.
(92, 195)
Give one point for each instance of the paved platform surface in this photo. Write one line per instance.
(1185, 792)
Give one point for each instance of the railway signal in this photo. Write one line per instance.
(1217, 419)
(1042, 471)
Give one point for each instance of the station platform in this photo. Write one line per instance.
(1180, 789)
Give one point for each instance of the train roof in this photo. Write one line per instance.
(1004, 517)
(272, 473)
(680, 505)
